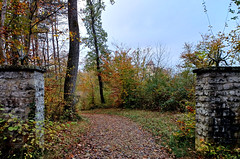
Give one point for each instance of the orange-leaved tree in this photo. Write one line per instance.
(211, 51)
(87, 90)
(120, 75)
(22, 22)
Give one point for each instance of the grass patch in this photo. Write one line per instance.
(161, 125)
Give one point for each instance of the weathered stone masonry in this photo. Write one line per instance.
(22, 93)
(218, 106)
(21, 90)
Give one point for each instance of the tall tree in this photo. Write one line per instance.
(3, 17)
(20, 28)
(97, 38)
(73, 59)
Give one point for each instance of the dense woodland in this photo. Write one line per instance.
(35, 32)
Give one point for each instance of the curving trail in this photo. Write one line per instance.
(113, 136)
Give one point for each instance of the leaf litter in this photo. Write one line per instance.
(111, 136)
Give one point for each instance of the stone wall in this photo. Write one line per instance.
(22, 92)
(218, 106)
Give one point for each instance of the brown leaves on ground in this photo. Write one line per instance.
(113, 136)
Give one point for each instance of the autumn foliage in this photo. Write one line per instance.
(129, 83)
(121, 76)
(23, 25)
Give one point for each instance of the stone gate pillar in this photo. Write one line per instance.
(218, 106)
(22, 93)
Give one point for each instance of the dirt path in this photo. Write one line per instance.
(113, 136)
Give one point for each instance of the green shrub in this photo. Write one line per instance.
(183, 140)
(163, 92)
(210, 150)
(18, 138)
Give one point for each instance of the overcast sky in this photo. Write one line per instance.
(171, 23)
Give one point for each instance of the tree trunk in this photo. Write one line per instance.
(15, 38)
(48, 56)
(57, 44)
(73, 59)
(97, 54)
(54, 49)
(3, 16)
(58, 52)
(43, 52)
